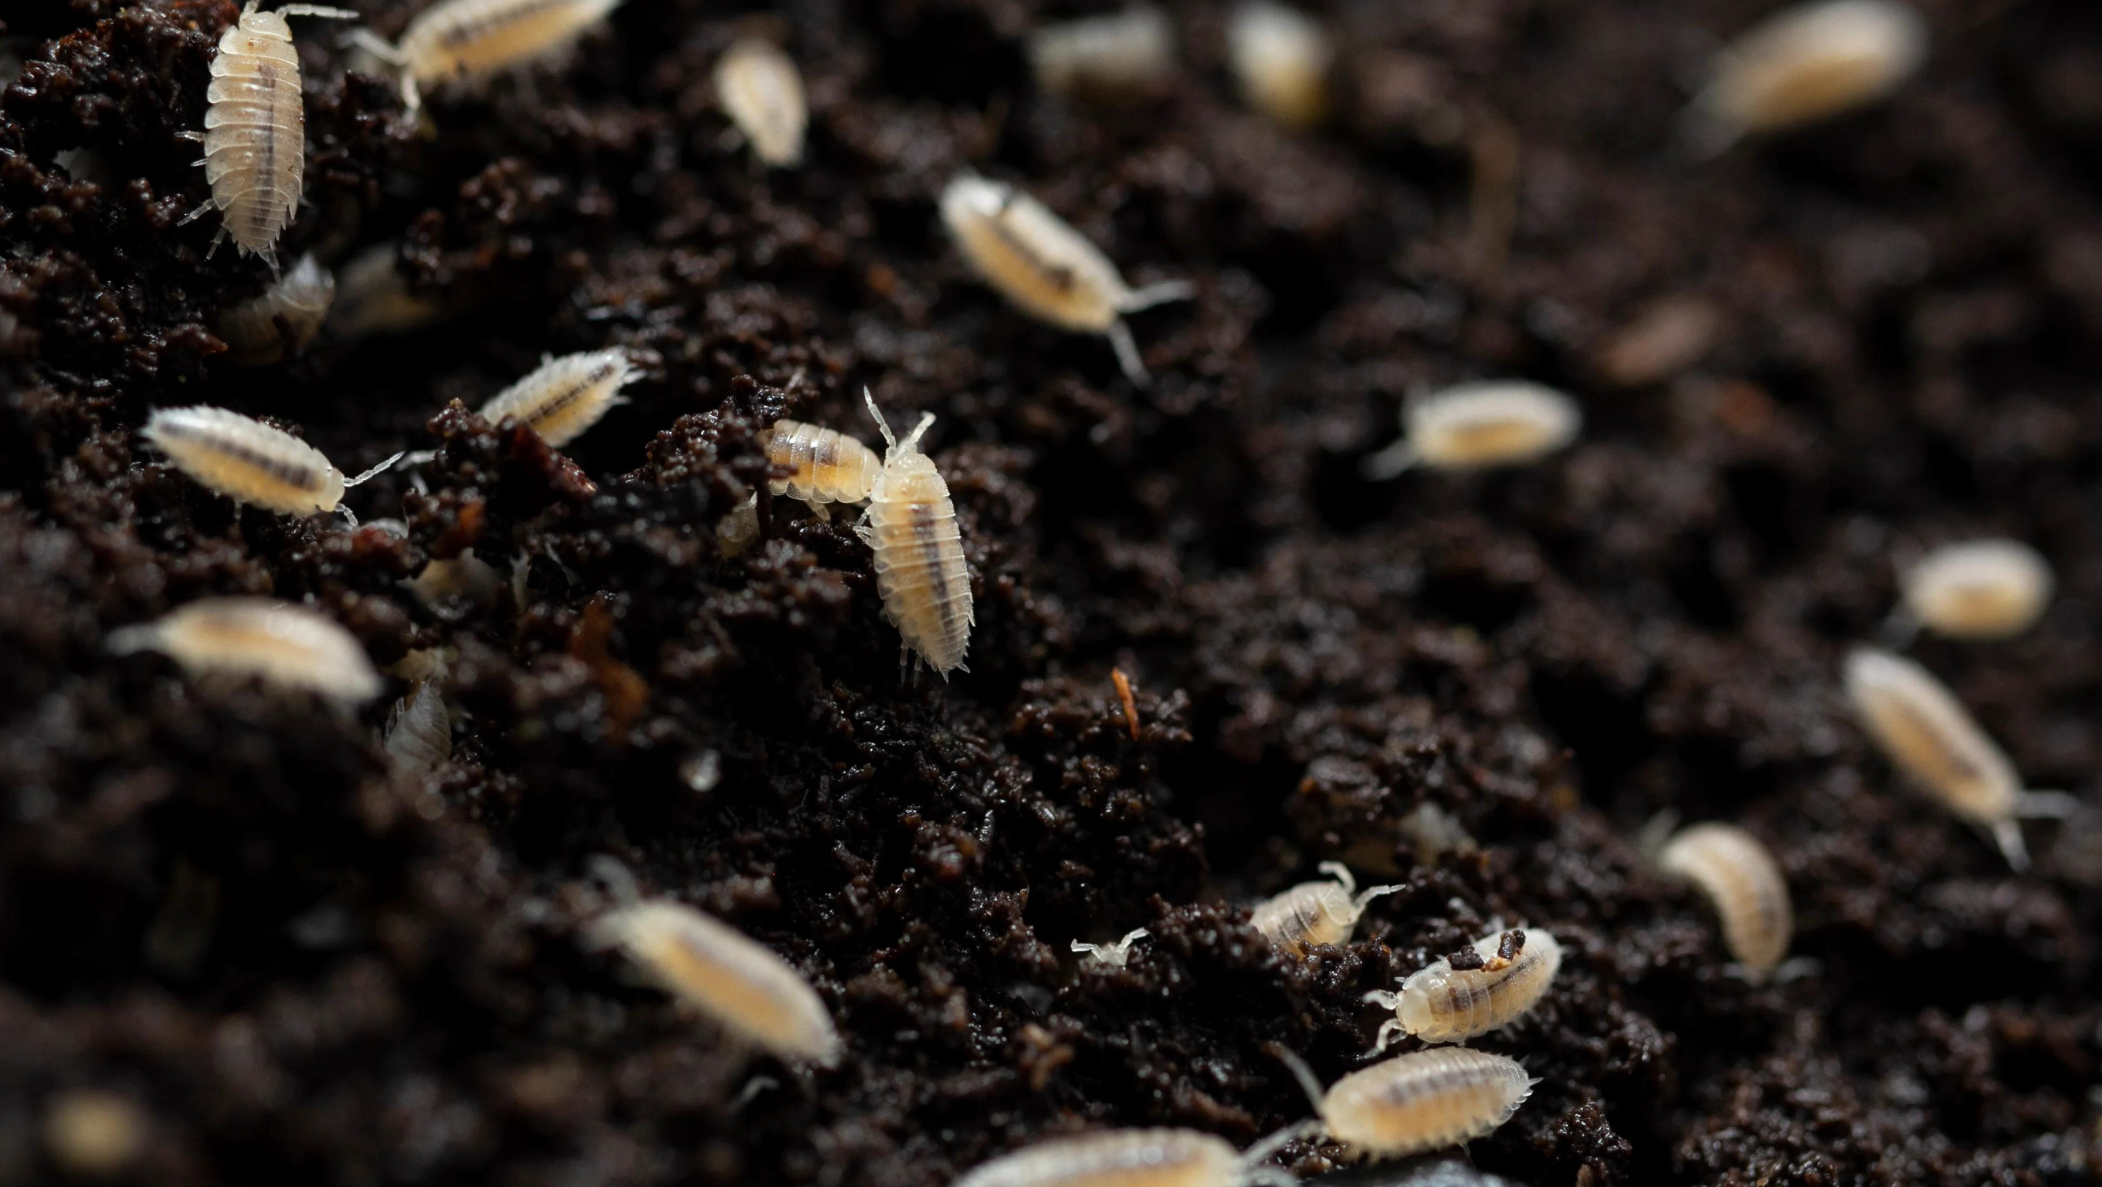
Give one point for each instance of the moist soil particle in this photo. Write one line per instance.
(222, 909)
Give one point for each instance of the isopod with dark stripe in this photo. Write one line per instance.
(1045, 267)
(1743, 882)
(255, 139)
(910, 526)
(250, 462)
(563, 397)
(288, 646)
(1488, 985)
(1316, 912)
(1425, 1100)
(1478, 425)
(1132, 1158)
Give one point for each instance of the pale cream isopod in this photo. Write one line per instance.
(372, 297)
(1476, 425)
(563, 397)
(1315, 912)
(1743, 882)
(255, 139)
(762, 93)
(471, 41)
(1474, 991)
(1119, 57)
(825, 465)
(419, 735)
(1425, 1100)
(1281, 59)
(1806, 64)
(1940, 749)
(731, 978)
(1045, 267)
(735, 531)
(250, 462)
(1133, 1158)
(288, 646)
(283, 319)
(910, 527)
(1982, 589)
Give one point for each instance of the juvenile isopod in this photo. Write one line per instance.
(1425, 1100)
(471, 41)
(250, 462)
(762, 93)
(825, 465)
(1983, 589)
(735, 531)
(372, 297)
(1119, 57)
(283, 319)
(1132, 1158)
(1806, 64)
(731, 978)
(1281, 59)
(288, 646)
(1316, 912)
(1474, 991)
(1115, 955)
(255, 138)
(1743, 882)
(563, 397)
(910, 527)
(1941, 750)
(1045, 267)
(1476, 425)
(454, 586)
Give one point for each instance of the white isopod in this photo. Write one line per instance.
(1133, 1158)
(1805, 64)
(419, 734)
(731, 978)
(1743, 882)
(1045, 267)
(1425, 1100)
(1488, 985)
(563, 397)
(283, 319)
(250, 462)
(255, 137)
(910, 527)
(288, 646)
(825, 465)
(1982, 589)
(471, 41)
(1281, 58)
(762, 93)
(1316, 912)
(1116, 58)
(1476, 425)
(1927, 734)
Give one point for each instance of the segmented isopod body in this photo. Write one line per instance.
(471, 41)
(1315, 912)
(1116, 58)
(1809, 63)
(1743, 882)
(1474, 991)
(762, 93)
(1281, 58)
(1475, 425)
(1425, 1100)
(255, 139)
(1125, 1158)
(1045, 267)
(1983, 589)
(910, 526)
(283, 319)
(289, 646)
(826, 465)
(563, 397)
(1940, 748)
(250, 462)
(728, 976)
(419, 733)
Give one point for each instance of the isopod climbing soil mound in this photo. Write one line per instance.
(238, 945)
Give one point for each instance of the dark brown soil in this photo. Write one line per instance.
(297, 967)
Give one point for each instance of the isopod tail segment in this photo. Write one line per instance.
(2031, 805)
(1120, 338)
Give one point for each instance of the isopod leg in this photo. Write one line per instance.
(1384, 998)
(2047, 805)
(1128, 354)
(1157, 294)
(1389, 1031)
(1389, 462)
(1341, 873)
(2008, 836)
